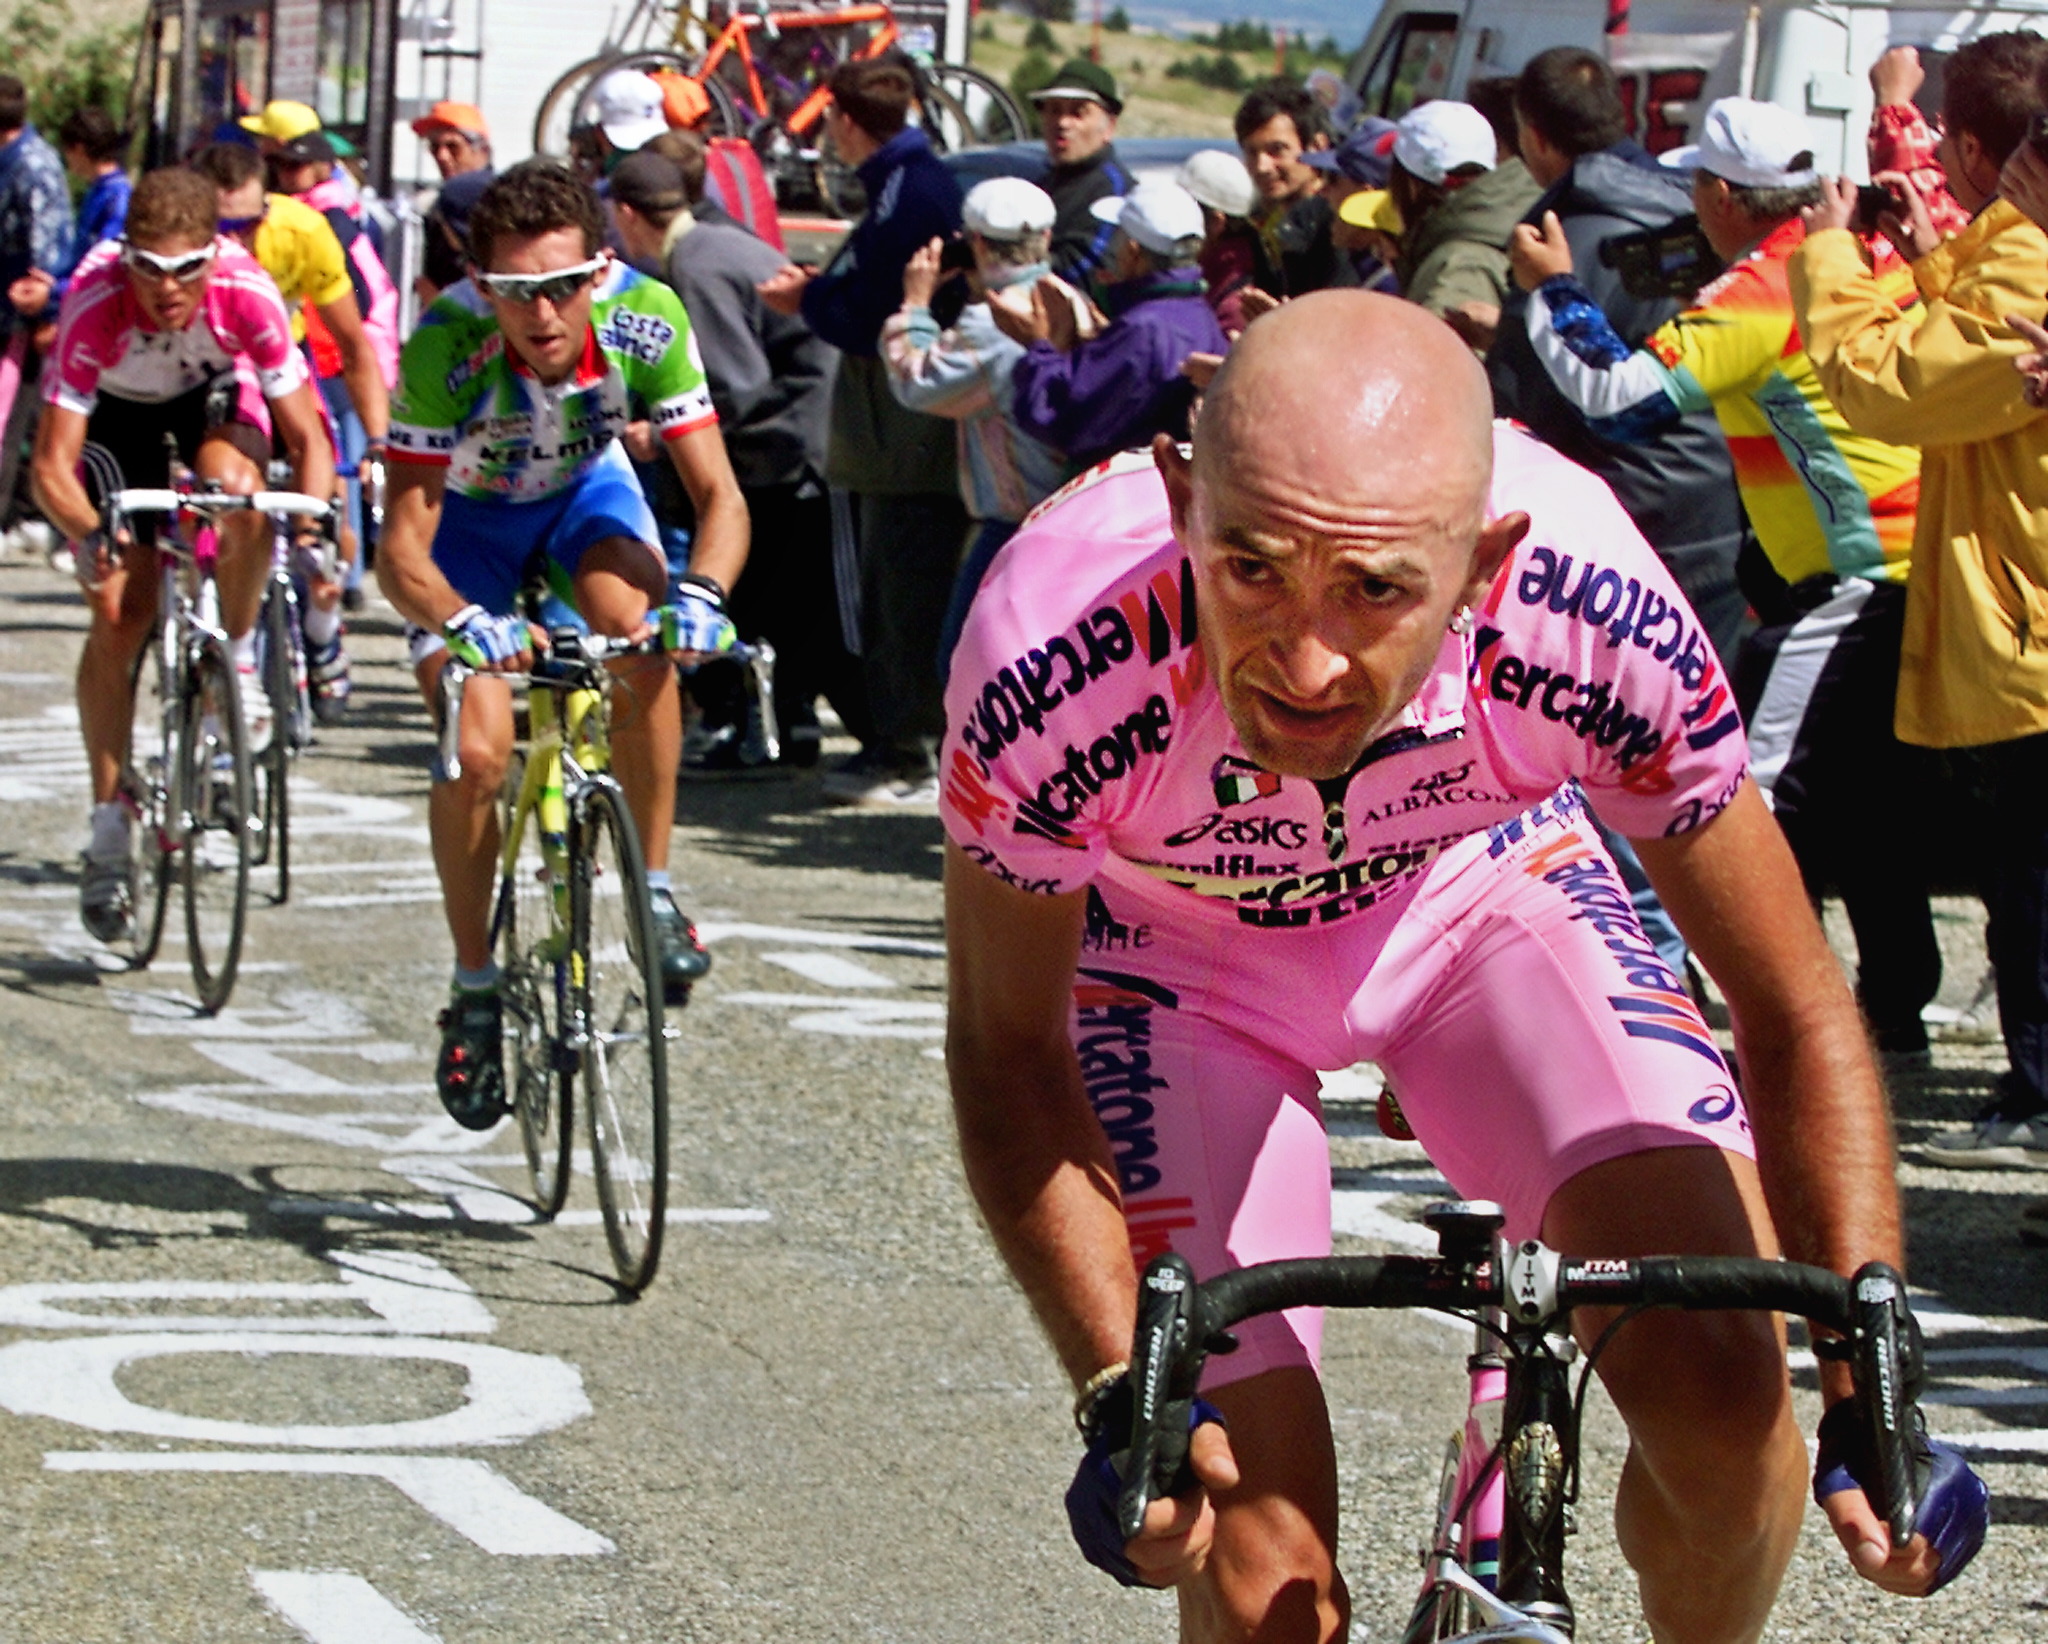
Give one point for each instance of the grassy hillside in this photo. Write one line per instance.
(1154, 105)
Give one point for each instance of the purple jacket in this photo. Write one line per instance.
(1124, 386)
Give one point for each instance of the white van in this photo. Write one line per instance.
(1675, 56)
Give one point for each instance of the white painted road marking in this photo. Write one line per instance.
(856, 1018)
(334, 1607)
(717, 930)
(510, 1395)
(828, 970)
(473, 1499)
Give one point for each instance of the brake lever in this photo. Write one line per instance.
(1166, 1365)
(1889, 1369)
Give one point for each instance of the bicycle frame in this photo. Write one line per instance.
(566, 745)
(734, 37)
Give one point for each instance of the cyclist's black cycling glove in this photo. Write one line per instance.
(1955, 1506)
(1098, 1481)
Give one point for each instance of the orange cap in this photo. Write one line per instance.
(453, 116)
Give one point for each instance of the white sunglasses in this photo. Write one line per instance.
(557, 287)
(186, 267)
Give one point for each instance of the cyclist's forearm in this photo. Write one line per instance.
(366, 391)
(406, 571)
(63, 500)
(1041, 1172)
(724, 533)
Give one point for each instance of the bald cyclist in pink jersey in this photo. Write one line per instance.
(1277, 758)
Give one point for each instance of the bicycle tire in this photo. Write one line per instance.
(533, 975)
(989, 112)
(215, 857)
(625, 1055)
(271, 770)
(145, 786)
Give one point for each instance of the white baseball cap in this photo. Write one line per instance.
(1218, 180)
(1161, 217)
(1752, 144)
(1434, 140)
(1007, 208)
(627, 107)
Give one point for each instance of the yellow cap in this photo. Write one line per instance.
(1371, 208)
(281, 121)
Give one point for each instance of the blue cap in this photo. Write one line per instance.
(1366, 154)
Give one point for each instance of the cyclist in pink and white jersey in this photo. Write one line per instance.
(168, 331)
(1278, 757)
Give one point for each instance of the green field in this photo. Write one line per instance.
(1154, 105)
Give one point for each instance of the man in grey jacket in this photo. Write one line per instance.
(771, 382)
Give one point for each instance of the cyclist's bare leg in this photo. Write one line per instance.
(618, 581)
(123, 617)
(462, 816)
(1715, 1484)
(1272, 1568)
(244, 538)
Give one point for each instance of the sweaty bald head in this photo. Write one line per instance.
(1335, 511)
(1349, 392)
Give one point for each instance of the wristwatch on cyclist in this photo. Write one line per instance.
(88, 547)
(711, 585)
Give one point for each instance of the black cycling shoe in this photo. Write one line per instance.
(684, 959)
(470, 1075)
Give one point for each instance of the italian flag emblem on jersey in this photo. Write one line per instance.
(1239, 781)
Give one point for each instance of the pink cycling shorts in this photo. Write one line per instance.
(1519, 1015)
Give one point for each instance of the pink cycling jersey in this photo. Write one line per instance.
(1448, 911)
(105, 344)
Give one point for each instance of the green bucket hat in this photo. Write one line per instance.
(1080, 78)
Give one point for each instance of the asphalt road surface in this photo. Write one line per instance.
(283, 1354)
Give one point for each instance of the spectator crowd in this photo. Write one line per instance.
(1829, 422)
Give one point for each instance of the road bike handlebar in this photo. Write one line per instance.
(555, 668)
(163, 501)
(1180, 1322)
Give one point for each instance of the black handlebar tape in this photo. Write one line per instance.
(1340, 1281)
(1885, 1366)
(1706, 1283)
(1166, 1364)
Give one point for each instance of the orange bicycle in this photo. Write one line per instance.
(775, 95)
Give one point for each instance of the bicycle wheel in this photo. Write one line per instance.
(530, 944)
(270, 847)
(984, 110)
(625, 1059)
(215, 860)
(145, 788)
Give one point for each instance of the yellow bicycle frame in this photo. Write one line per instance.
(562, 724)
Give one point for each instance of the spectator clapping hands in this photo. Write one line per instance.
(2033, 365)
(1538, 255)
(921, 275)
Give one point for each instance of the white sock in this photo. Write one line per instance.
(243, 650)
(321, 625)
(112, 828)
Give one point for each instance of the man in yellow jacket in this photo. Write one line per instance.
(1973, 672)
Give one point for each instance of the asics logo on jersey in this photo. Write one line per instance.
(1274, 832)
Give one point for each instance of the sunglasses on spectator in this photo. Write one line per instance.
(557, 287)
(185, 267)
